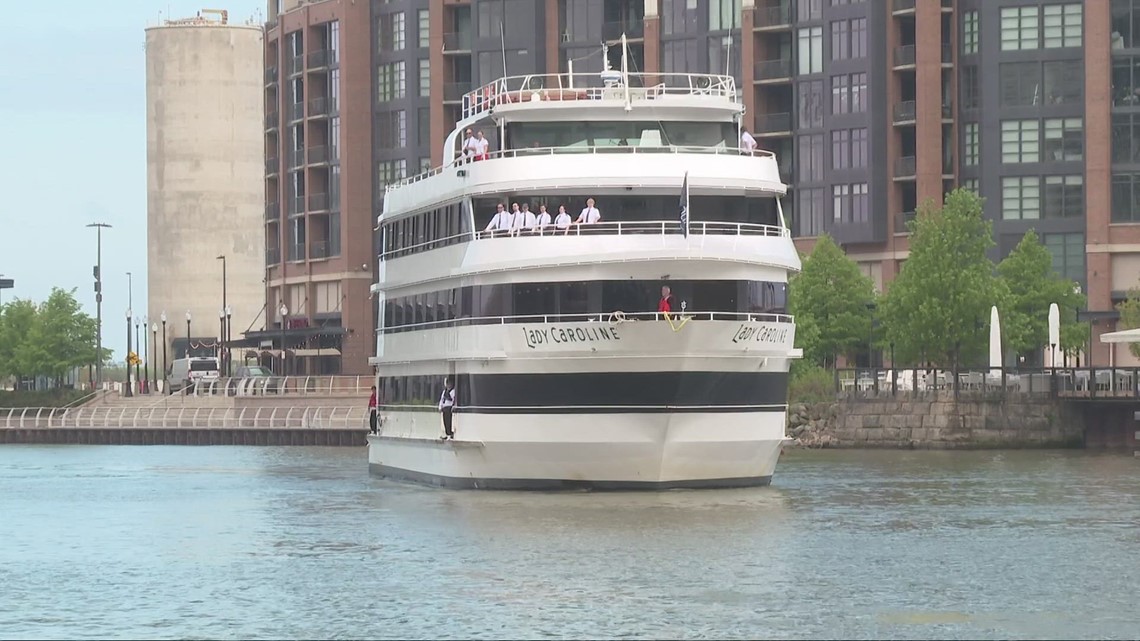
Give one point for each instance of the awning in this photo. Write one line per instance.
(1123, 336)
(315, 352)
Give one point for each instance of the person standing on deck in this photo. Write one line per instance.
(446, 407)
(372, 411)
(665, 305)
(747, 142)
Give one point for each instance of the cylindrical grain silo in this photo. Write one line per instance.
(205, 177)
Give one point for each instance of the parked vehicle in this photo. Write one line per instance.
(185, 372)
(253, 379)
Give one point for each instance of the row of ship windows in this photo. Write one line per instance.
(527, 300)
(449, 224)
(423, 390)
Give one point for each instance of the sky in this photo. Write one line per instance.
(73, 125)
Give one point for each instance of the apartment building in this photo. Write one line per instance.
(873, 107)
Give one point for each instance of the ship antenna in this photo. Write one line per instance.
(625, 71)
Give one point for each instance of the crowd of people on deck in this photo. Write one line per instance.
(520, 219)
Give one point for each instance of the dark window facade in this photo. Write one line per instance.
(530, 302)
(440, 227)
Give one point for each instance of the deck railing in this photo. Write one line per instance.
(283, 385)
(722, 150)
(1061, 382)
(618, 228)
(348, 417)
(611, 318)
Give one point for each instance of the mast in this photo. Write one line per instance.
(625, 71)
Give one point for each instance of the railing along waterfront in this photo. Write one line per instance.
(1087, 383)
(330, 418)
(611, 318)
(618, 228)
(284, 385)
(721, 150)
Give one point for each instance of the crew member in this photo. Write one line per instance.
(562, 220)
(372, 411)
(665, 305)
(446, 406)
(500, 222)
(747, 142)
(542, 221)
(590, 214)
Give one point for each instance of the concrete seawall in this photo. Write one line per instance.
(184, 436)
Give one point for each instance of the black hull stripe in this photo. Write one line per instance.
(635, 390)
(555, 485)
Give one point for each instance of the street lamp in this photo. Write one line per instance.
(127, 386)
(284, 312)
(164, 347)
(154, 348)
(223, 335)
(221, 339)
(99, 302)
(138, 361)
(187, 333)
(229, 339)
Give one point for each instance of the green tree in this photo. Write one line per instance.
(829, 300)
(1028, 275)
(1129, 310)
(940, 302)
(64, 337)
(17, 323)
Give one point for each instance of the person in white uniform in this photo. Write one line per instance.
(747, 142)
(542, 221)
(590, 214)
(446, 407)
(524, 220)
(501, 222)
(562, 221)
(470, 146)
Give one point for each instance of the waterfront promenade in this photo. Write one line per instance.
(327, 410)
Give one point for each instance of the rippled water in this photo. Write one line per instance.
(232, 542)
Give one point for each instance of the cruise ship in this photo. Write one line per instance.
(568, 371)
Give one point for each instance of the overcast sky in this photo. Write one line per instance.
(73, 119)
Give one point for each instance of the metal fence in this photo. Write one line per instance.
(1069, 382)
(284, 385)
(331, 418)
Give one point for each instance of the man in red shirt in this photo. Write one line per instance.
(372, 410)
(665, 305)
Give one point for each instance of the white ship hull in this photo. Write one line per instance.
(610, 451)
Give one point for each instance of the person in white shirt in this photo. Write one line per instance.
(524, 220)
(470, 146)
(542, 221)
(562, 221)
(482, 146)
(446, 407)
(747, 142)
(590, 214)
(501, 222)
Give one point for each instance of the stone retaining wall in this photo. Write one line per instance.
(937, 421)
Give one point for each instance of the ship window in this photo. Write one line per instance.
(525, 135)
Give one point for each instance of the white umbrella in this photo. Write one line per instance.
(1054, 333)
(995, 342)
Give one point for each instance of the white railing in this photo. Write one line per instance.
(284, 385)
(331, 418)
(605, 228)
(716, 150)
(613, 318)
(590, 86)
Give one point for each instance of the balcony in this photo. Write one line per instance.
(631, 28)
(899, 7)
(296, 64)
(457, 42)
(318, 203)
(317, 155)
(272, 166)
(905, 112)
(271, 75)
(319, 249)
(296, 112)
(319, 107)
(272, 211)
(272, 255)
(271, 120)
(296, 158)
(906, 167)
(773, 18)
(773, 71)
(779, 124)
(902, 222)
(904, 56)
(296, 205)
(454, 91)
(321, 59)
(296, 252)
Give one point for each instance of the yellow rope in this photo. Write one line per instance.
(676, 327)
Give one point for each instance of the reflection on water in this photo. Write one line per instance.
(231, 542)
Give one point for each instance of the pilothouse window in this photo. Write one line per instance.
(524, 135)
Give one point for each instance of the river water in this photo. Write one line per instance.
(233, 542)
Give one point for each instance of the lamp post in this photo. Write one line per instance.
(224, 343)
(138, 361)
(164, 347)
(221, 339)
(284, 312)
(154, 348)
(127, 385)
(229, 340)
(894, 370)
(871, 336)
(99, 302)
(187, 333)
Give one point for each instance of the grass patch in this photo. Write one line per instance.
(811, 384)
(41, 398)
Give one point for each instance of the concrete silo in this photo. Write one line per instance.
(205, 176)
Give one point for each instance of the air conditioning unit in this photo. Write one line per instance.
(565, 36)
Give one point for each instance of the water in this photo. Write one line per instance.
(231, 542)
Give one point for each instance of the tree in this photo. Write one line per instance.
(1129, 310)
(16, 325)
(938, 305)
(46, 340)
(1027, 273)
(829, 300)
